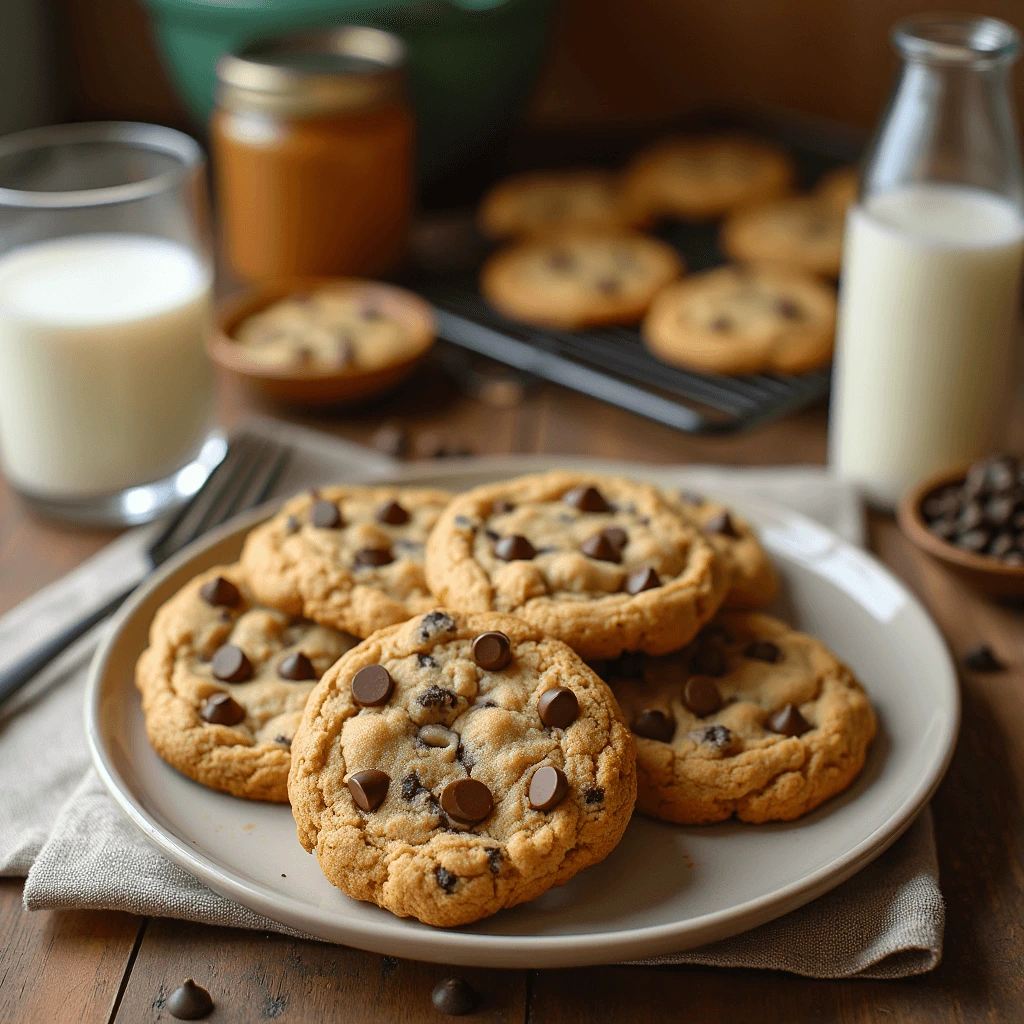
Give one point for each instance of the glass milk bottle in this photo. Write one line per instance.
(931, 264)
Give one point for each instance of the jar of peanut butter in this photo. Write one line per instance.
(313, 150)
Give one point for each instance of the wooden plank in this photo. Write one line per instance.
(257, 976)
(61, 967)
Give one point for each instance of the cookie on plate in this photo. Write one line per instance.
(753, 719)
(224, 681)
(753, 579)
(603, 563)
(580, 279)
(543, 202)
(805, 233)
(454, 765)
(348, 557)
(737, 320)
(704, 178)
(840, 187)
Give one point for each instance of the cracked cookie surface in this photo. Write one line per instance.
(445, 790)
(753, 719)
(231, 733)
(603, 563)
(348, 557)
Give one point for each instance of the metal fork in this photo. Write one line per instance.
(243, 479)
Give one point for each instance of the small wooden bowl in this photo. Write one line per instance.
(310, 386)
(983, 572)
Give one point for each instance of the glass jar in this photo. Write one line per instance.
(931, 264)
(313, 147)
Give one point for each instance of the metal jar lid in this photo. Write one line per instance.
(310, 73)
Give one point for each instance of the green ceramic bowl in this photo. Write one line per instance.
(471, 62)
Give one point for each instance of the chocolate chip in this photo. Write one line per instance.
(445, 879)
(608, 285)
(707, 661)
(189, 1001)
(222, 709)
(594, 796)
(654, 725)
(425, 661)
(601, 548)
(411, 785)
(548, 788)
(720, 324)
(616, 535)
(972, 515)
(721, 523)
(981, 658)
(502, 507)
(494, 858)
(763, 650)
(586, 499)
(372, 686)
(435, 696)
(718, 737)
(368, 788)
(467, 801)
(788, 309)
(514, 548)
(558, 707)
(453, 996)
(392, 440)
(325, 515)
(230, 665)
(297, 667)
(701, 696)
(291, 525)
(1002, 544)
(945, 528)
(974, 540)
(220, 593)
(692, 497)
(492, 651)
(433, 624)
(640, 580)
(463, 523)
(999, 510)
(941, 503)
(373, 557)
(1013, 558)
(285, 741)
(789, 722)
(1001, 472)
(392, 513)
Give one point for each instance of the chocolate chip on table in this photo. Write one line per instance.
(721, 523)
(599, 547)
(392, 440)
(707, 661)
(222, 709)
(325, 515)
(594, 796)
(654, 725)
(974, 540)
(453, 996)
(701, 696)
(788, 721)
(220, 593)
(514, 548)
(189, 1001)
(586, 499)
(372, 686)
(369, 788)
(981, 658)
(763, 650)
(392, 513)
(492, 651)
(297, 667)
(373, 557)
(548, 788)
(445, 878)
(640, 580)
(466, 801)
(558, 707)
(230, 664)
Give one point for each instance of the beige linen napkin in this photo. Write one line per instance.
(59, 826)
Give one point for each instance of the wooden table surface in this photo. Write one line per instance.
(102, 966)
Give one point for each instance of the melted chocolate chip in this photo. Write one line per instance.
(654, 725)
(586, 499)
(411, 785)
(514, 548)
(558, 707)
(640, 580)
(373, 557)
(372, 686)
(764, 650)
(599, 547)
(548, 788)
(722, 524)
(391, 513)
(466, 801)
(594, 796)
(445, 879)
(425, 661)
(434, 624)
(701, 696)
(716, 736)
(325, 515)
(981, 658)
(494, 858)
(788, 721)
(452, 996)
(369, 788)
(220, 593)
(230, 665)
(222, 709)
(189, 1001)
(492, 651)
(436, 696)
(296, 667)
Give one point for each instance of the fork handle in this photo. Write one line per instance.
(17, 675)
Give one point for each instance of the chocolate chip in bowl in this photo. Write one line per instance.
(972, 520)
(322, 341)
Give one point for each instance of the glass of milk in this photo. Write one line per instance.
(105, 309)
(932, 263)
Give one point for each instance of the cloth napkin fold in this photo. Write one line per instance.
(59, 826)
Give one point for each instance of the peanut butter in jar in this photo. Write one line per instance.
(313, 149)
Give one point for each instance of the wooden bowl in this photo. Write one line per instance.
(312, 386)
(983, 572)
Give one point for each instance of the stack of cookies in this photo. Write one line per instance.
(464, 699)
(576, 256)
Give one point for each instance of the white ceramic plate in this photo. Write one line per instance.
(665, 888)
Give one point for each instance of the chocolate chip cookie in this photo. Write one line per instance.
(580, 279)
(752, 719)
(224, 681)
(454, 765)
(543, 202)
(736, 320)
(753, 580)
(349, 557)
(603, 563)
(704, 178)
(805, 233)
